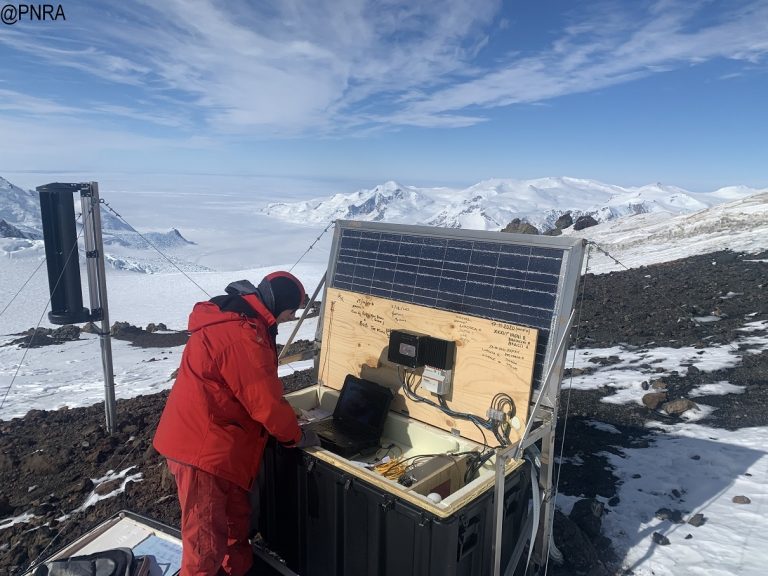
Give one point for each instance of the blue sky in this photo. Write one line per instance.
(355, 93)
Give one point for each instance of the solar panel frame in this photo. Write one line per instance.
(476, 273)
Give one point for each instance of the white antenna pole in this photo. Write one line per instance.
(97, 290)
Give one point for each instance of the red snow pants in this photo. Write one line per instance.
(215, 518)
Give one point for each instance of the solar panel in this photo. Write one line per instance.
(505, 281)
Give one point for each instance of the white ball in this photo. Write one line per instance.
(435, 497)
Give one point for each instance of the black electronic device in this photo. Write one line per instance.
(416, 350)
(358, 418)
(437, 352)
(405, 348)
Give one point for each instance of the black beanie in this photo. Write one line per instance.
(281, 291)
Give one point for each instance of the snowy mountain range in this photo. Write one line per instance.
(20, 212)
(492, 204)
(648, 224)
(21, 231)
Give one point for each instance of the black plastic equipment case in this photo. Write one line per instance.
(322, 521)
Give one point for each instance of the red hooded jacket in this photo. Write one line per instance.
(227, 398)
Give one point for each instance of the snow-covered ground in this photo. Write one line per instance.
(690, 466)
(234, 240)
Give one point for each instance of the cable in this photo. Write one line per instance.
(40, 321)
(474, 466)
(312, 245)
(485, 440)
(443, 406)
(657, 292)
(397, 467)
(171, 262)
(477, 458)
(23, 286)
(568, 396)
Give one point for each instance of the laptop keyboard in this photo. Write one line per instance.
(324, 426)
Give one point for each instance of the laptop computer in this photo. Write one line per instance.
(357, 420)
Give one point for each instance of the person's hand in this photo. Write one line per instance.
(309, 438)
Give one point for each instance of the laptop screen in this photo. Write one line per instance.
(363, 403)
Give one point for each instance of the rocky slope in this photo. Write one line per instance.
(51, 461)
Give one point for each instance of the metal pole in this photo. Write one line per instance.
(97, 290)
(545, 386)
(501, 464)
(547, 457)
(301, 319)
(515, 452)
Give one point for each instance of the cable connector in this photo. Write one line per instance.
(495, 415)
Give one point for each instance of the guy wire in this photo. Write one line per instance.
(40, 321)
(23, 286)
(674, 306)
(332, 222)
(570, 386)
(171, 262)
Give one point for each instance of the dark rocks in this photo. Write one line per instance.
(90, 328)
(66, 333)
(108, 487)
(741, 500)
(578, 551)
(652, 400)
(40, 464)
(518, 226)
(584, 222)
(658, 384)
(124, 331)
(81, 486)
(38, 337)
(564, 221)
(5, 507)
(7, 463)
(561, 224)
(678, 407)
(674, 516)
(660, 539)
(609, 361)
(697, 520)
(588, 515)
(156, 336)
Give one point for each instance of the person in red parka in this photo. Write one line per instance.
(226, 401)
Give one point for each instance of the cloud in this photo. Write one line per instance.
(606, 51)
(295, 68)
(285, 67)
(16, 102)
